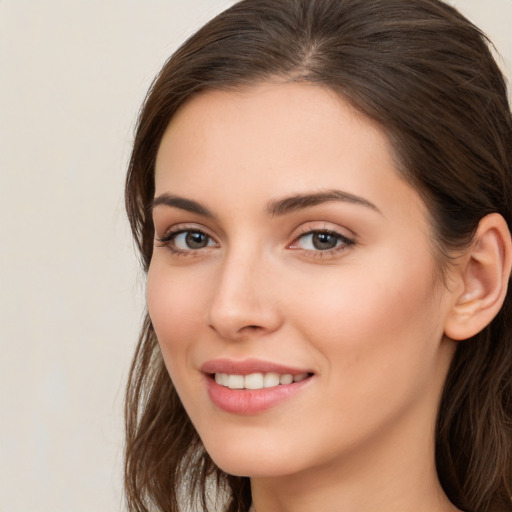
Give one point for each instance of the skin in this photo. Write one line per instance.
(367, 318)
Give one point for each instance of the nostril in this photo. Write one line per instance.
(251, 329)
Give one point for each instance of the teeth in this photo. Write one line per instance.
(271, 380)
(236, 381)
(257, 380)
(253, 381)
(287, 378)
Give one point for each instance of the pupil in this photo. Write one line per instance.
(196, 240)
(324, 241)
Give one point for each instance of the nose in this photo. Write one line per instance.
(245, 301)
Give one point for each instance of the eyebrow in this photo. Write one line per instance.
(274, 208)
(301, 201)
(182, 203)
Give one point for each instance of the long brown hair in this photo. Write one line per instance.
(426, 75)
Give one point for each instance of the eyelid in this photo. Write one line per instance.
(339, 236)
(308, 229)
(166, 240)
(323, 227)
(176, 229)
(312, 228)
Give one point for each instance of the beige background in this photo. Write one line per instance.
(72, 77)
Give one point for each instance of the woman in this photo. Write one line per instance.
(321, 194)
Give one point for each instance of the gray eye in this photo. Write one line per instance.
(319, 241)
(192, 240)
(196, 240)
(324, 241)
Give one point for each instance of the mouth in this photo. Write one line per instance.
(251, 386)
(255, 381)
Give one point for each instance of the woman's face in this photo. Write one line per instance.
(292, 259)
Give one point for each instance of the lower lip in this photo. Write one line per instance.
(251, 401)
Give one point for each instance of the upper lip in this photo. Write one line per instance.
(248, 366)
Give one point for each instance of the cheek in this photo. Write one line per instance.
(378, 321)
(377, 336)
(175, 305)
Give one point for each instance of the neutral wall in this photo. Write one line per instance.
(72, 77)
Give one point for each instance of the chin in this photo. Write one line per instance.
(239, 466)
(254, 459)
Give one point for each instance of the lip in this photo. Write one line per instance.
(250, 401)
(248, 366)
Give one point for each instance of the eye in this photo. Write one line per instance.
(192, 240)
(321, 241)
(182, 240)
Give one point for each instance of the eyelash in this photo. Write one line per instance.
(168, 239)
(342, 242)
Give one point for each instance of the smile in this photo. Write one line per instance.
(258, 380)
(251, 386)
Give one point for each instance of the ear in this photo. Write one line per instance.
(481, 279)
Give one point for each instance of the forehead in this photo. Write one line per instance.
(275, 139)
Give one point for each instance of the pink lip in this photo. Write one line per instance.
(248, 366)
(249, 401)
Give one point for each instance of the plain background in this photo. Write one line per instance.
(72, 77)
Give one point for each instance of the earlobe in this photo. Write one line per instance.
(484, 274)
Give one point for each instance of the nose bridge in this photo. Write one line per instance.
(243, 299)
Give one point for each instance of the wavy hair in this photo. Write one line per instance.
(426, 75)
